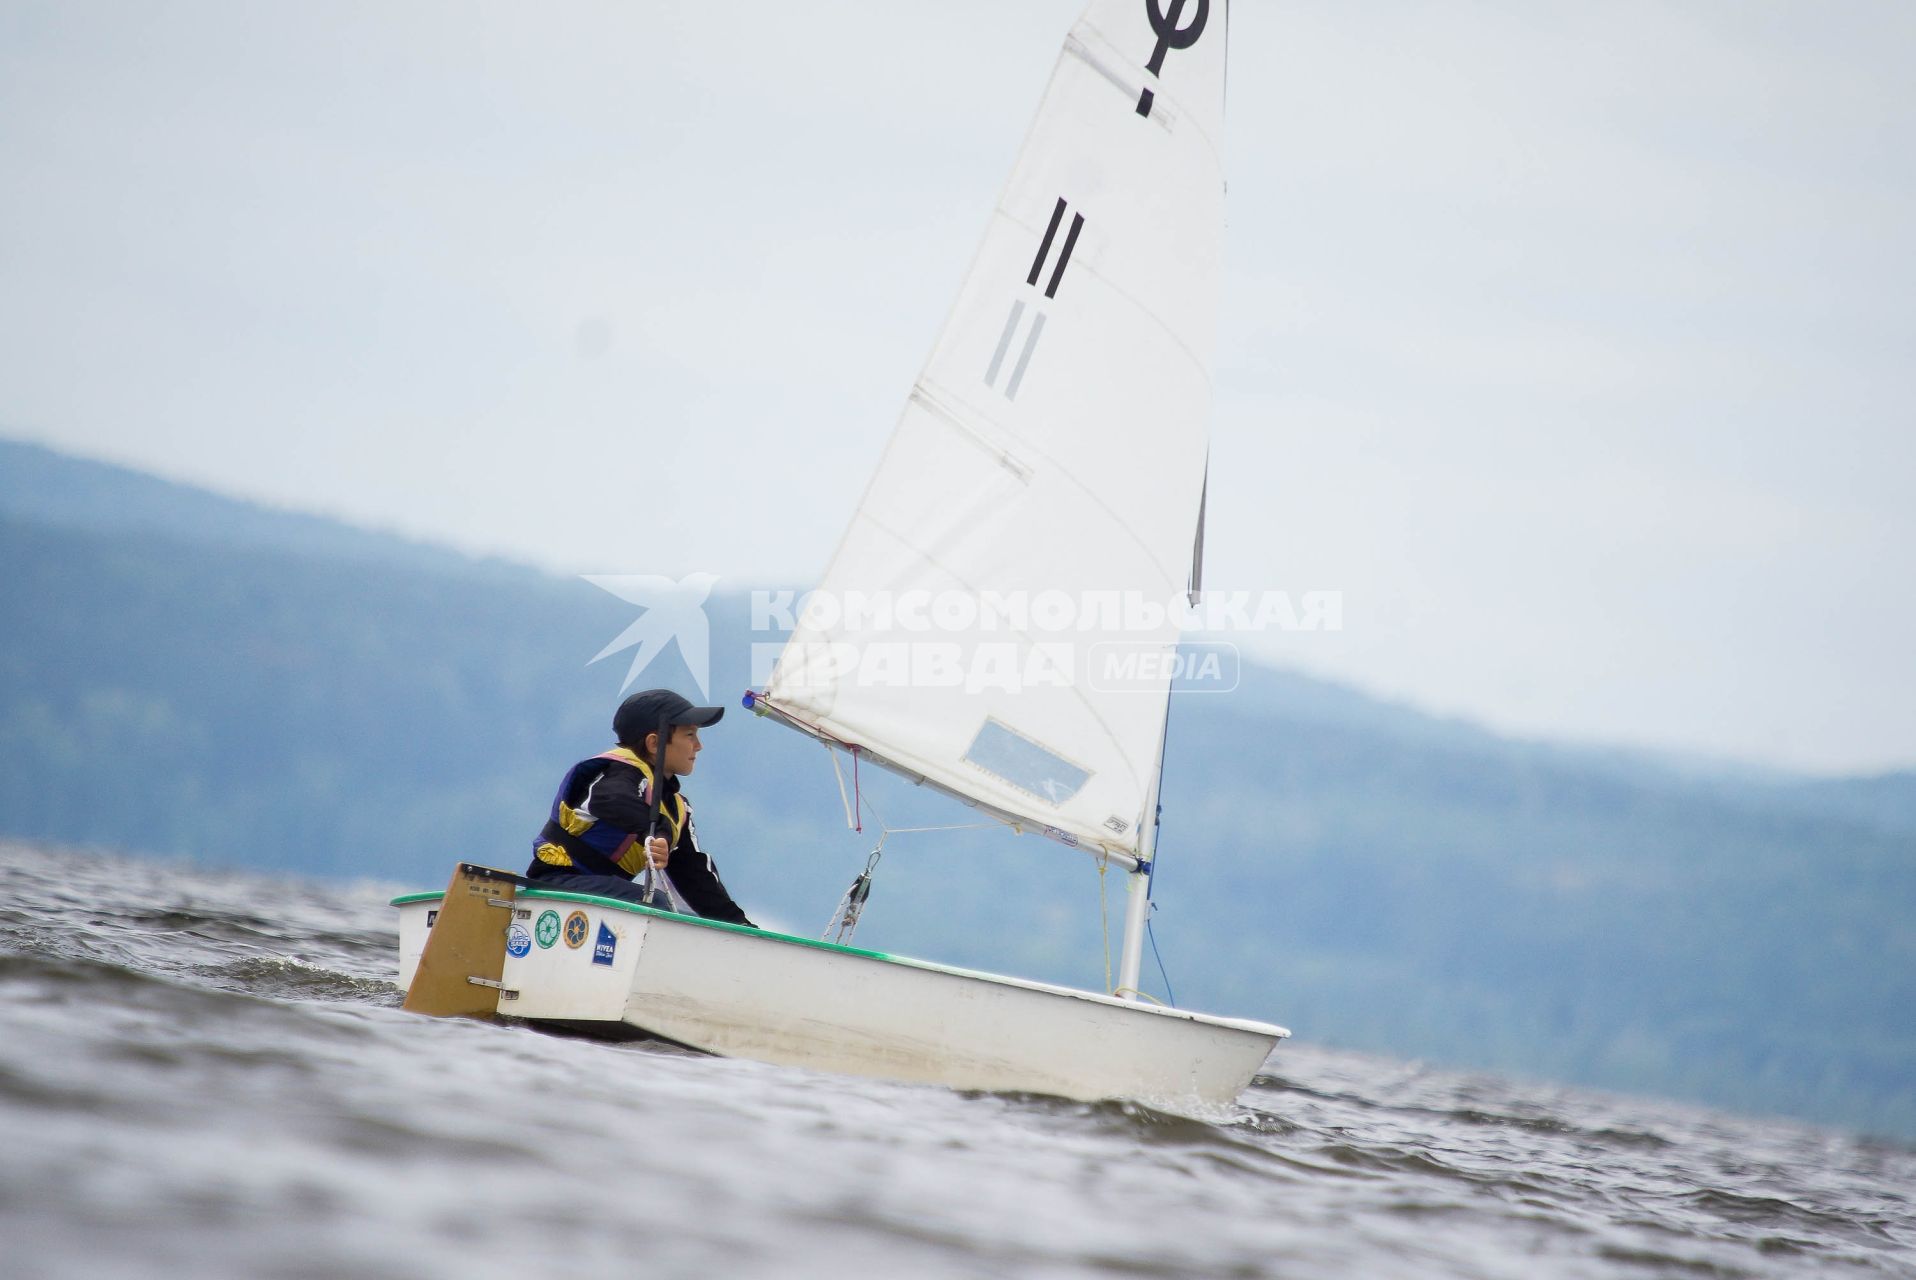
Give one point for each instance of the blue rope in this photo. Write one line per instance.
(1157, 816)
(1168, 993)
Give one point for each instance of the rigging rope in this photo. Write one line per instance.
(852, 905)
(1170, 995)
(851, 811)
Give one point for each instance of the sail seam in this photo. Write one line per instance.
(934, 392)
(924, 395)
(1109, 69)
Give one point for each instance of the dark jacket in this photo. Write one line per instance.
(613, 795)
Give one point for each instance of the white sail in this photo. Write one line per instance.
(1049, 464)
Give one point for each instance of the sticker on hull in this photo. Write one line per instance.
(576, 930)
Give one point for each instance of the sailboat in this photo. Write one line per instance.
(1040, 501)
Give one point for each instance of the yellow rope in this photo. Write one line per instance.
(1142, 995)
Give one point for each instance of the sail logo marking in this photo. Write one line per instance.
(1170, 36)
(1064, 255)
(1014, 321)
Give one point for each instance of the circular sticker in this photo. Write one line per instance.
(547, 930)
(518, 941)
(575, 930)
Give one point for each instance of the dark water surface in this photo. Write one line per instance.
(205, 1075)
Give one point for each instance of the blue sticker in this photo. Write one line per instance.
(608, 943)
(518, 941)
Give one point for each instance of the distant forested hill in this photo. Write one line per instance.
(185, 674)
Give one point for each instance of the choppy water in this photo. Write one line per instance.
(205, 1075)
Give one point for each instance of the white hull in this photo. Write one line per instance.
(774, 998)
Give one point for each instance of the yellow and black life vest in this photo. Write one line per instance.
(577, 841)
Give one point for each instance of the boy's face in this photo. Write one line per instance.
(681, 749)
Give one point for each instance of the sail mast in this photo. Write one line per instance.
(1137, 912)
(1137, 899)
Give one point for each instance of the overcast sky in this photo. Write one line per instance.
(1574, 343)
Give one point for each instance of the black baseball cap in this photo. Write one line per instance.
(644, 713)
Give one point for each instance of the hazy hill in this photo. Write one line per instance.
(42, 487)
(183, 673)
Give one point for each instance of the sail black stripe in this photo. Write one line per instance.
(1037, 263)
(1064, 257)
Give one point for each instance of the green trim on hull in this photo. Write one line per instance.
(620, 904)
